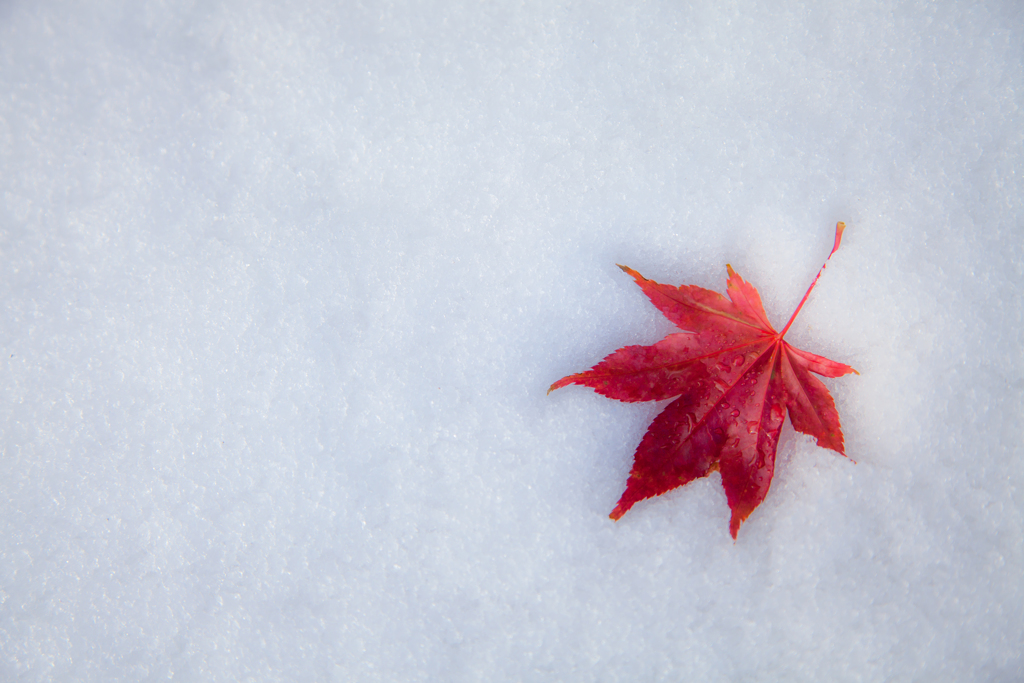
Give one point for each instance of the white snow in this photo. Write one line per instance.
(283, 286)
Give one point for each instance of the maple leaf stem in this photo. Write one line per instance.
(840, 226)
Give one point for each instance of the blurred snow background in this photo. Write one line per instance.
(283, 287)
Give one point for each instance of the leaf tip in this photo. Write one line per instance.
(738, 517)
(565, 381)
(630, 272)
(617, 513)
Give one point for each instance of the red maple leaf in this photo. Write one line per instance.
(733, 379)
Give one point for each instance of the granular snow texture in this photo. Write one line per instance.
(283, 286)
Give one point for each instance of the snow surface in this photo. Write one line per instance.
(283, 287)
